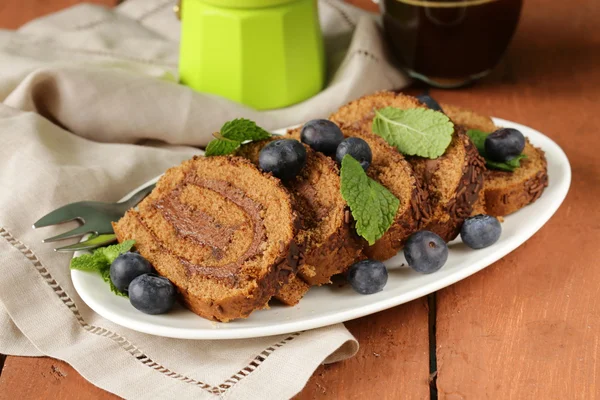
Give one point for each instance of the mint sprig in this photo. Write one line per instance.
(414, 132)
(478, 139)
(371, 204)
(105, 273)
(233, 134)
(101, 259)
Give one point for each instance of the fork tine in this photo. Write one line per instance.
(80, 231)
(58, 216)
(91, 243)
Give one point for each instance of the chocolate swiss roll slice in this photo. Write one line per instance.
(325, 232)
(505, 192)
(508, 192)
(221, 230)
(392, 170)
(453, 180)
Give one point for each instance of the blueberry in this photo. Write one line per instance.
(425, 252)
(283, 158)
(504, 144)
(322, 135)
(357, 148)
(152, 294)
(368, 276)
(480, 231)
(430, 102)
(126, 268)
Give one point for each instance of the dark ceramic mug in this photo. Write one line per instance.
(449, 43)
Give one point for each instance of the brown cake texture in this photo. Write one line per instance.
(390, 169)
(468, 119)
(221, 230)
(479, 206)
(471, 120)
(453, 180)
(505, 192)
(360, 112)
(291, 292)
(325, 230)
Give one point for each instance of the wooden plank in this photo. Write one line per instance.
(14, 13)
(393, 361)
(45, 378)
(529, 326)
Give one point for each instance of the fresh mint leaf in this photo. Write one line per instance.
(478, 139)
(233, 134)
(372, 205)
(100, 261)
(88, 262)
(414, 132)
(220, 147)
(113, 251)
(243, 129)
(106, 277)
(508, 166)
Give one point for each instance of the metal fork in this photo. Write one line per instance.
(96, 218)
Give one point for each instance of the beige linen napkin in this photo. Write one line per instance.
(90, 109)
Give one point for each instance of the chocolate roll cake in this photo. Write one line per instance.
(325, 232)
(221, 230)
(453, 180)
(505, 192)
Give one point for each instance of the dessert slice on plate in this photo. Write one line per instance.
(453, 179)
(221, 231)
(505, 192)
(330, 244)
(390, 169)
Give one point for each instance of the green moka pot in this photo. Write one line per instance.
(262, 53)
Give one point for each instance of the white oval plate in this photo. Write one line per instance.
(331, 304)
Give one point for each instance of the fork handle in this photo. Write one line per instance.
(138, 196)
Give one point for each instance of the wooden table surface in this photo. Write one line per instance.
(527, 327)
